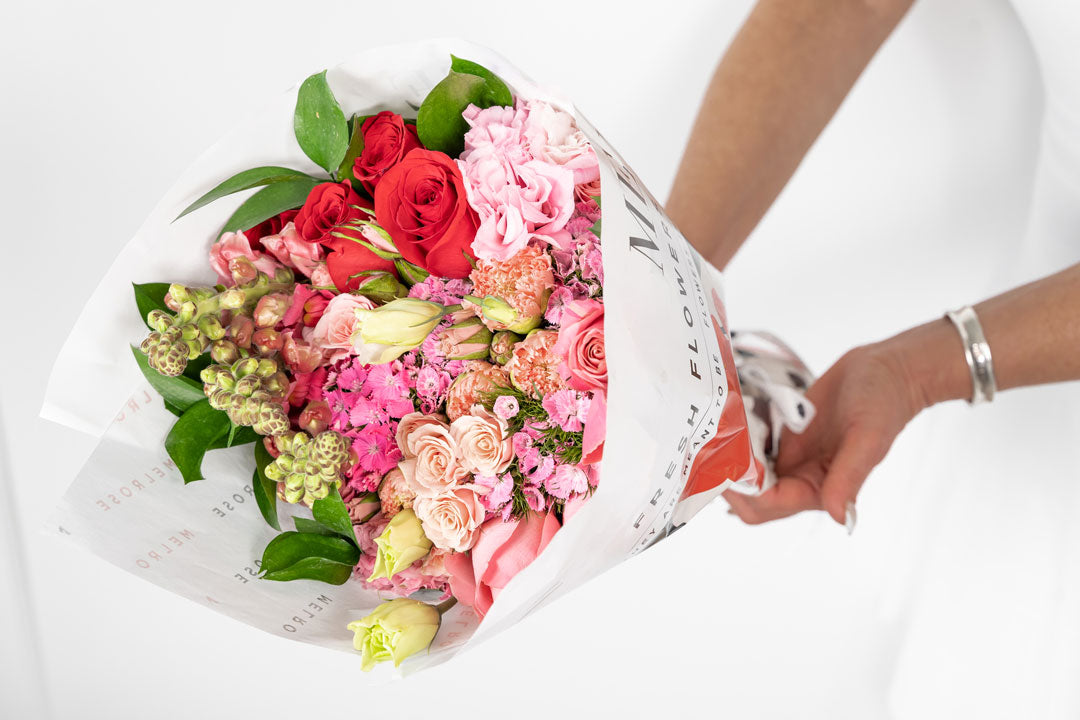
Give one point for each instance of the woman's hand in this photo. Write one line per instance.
(862, 403)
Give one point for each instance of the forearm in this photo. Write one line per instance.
(1033, 333)
(778, 85)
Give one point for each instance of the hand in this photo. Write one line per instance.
(862, 403)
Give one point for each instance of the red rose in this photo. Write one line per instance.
(421, 202)
(328, 206)
(387, 139)
(269, 227)
(348, 258)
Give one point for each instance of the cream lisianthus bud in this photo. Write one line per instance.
(500, 314)
(394, 631)
(393, 329)
(402, 543)
(467, 339)
(502, 346)
(381, 286)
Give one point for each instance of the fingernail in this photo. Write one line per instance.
(850, 517)
(731, 511)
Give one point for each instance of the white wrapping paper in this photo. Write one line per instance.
(667, 388)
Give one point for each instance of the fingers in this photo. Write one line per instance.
(857, 455)
(790, 495)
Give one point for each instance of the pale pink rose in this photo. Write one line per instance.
(435, 467)
(502, 550)
(333, 333)
(581, 345)
(451, 519)
(585, 192)
(409, 423)
(467, 389)
(394, 493)
(292, 250)
(320, 276)
(233, 245)
(552, 136)
(484, 443)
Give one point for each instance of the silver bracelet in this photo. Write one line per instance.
(977, 354)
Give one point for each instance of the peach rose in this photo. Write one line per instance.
(451, 520)
(484, 445)
(434, 468)
(411, 422)
(333, 333)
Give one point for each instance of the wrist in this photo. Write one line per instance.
(930, 360)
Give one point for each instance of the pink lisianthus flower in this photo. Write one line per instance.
(293, 251)
(580, 346)
(501, 551)
(333, 333)
(234, 245)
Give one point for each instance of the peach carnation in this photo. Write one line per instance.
(524, 282)
(482, 377)
(534, 369)
(394, 493)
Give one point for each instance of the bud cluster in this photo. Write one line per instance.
(207, 319)
(250, 391)
(306, 468)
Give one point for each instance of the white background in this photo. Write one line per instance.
(104, 105)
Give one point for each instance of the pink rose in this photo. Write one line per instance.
(433, 467)
(333, 333)
(234, 245)
(552, 136)
(502, 550)
(581, 345)
(484, 444)
(451, 520)
(292, 250)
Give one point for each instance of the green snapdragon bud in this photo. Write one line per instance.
(306, 469)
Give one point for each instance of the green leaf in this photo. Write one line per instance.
(173, 409)
(192, 436)
(495, 90)
(177, 392)
(150, 296)
(255, 177)
(331, 512)
(312, 527)
(314, 568)
(265, 488)
(242, 435)
(319, 123)
(356, 146)
(439, 122)
(295, 556)
(270, 201)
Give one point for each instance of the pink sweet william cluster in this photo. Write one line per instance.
(418, 348)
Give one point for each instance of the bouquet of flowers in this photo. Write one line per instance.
(401, 343)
